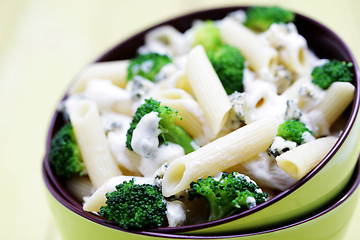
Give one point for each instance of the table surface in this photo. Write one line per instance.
(44, 43)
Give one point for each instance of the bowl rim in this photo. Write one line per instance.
(346, 193)
(348, 127)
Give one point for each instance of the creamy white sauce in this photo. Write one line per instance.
(251, 202)
(98, 199)
(164, 153)
(315, 122)
(291, 46)
(145, 136)
(263, 102)
(264, 170)
(106, 94)
(175, 213)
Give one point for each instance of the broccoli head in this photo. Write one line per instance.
(293, 130)
(260, 18)
(332, 71)
(147, 65)
(208, 35)
(169, 130)
(135, 206)
(230, 194)
(229, 65)
(65, 156)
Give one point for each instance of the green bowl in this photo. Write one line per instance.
(315, 190)
(329, 222)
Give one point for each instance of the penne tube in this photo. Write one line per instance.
(238, 146)
(208, 89)
(79, 187)
(338, 96)
(94, 148)
(98, 199)
(116, 71)
(188, 109)
(302, 159)
(259, 54)
(292, 92)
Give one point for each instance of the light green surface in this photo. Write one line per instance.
(44, 43)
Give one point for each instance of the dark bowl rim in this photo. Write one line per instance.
(346, 193)
(278, 197)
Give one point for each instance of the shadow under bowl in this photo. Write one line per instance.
(315, 190)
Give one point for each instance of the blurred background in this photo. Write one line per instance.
(43, 45)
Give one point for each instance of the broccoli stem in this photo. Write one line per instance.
(179, 136)
(218, 211)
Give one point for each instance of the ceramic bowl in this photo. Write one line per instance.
(327, 223)
(316, 189)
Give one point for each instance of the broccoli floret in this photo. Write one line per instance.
(65, 156)
(135, 206)
(228, 195)
(229, 65)
(208, 35)
(293, 130)
(260, 18)
(147, 65)
(169, 130)
(332, 71)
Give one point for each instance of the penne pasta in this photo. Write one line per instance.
(92, 142)
(116, 71)
(337, 97)
(302, 159)
(167, 37)
(208, 89)
(98, 198)
(238, 146)
(79, 187)
(259, 54)
(192, 119)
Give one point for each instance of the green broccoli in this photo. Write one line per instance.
(65, 156)
(147, 65)
(293, 130)
(260, 18)
(332, 71)
(169, 130)
(135, 206)
(208, 35)
(231, 194)
(229, 65)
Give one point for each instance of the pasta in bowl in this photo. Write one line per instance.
(169, 112)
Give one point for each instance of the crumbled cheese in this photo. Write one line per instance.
(307, 137)
(115, 122)
(280, 145)
(251, 202)
(238, 102)
(293, 111)
(139, 87)
(159, 174)
(166, 72)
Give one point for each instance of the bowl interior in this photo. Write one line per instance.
(320, 39)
